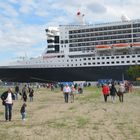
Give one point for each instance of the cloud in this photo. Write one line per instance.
(23, 22)
(8, 10)
(97, 8)
(21, 38)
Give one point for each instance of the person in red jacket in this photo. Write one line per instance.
(105, 91)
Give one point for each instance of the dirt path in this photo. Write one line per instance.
(88, 118)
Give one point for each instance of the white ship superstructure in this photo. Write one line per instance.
(87, 52)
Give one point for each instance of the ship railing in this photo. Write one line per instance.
(100, 24)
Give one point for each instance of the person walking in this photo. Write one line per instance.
(7, 99)
(16, 92)
(31, 94)
(105, 91)
(72, 93)
(24, 93)
(23, 111)
(113, 92)
(66, 91)
(121, 91)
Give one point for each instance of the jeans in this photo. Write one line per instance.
(16, 95)
(113, 98)
(8, 112)
(23, 115)
(66, 96)
(72, 97)
(31, 99)
(121, 97)
(105, 97)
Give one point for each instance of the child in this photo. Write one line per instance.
(23, 111)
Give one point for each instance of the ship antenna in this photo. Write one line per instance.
(26, 56)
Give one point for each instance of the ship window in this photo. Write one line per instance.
(93, 58)
(127, 61)
(133, 56)
(117, 56)
(67, 60)
(118, 62)
(98, 63)
(103, 58)
(138, 60)
(107, 62)
(112, 62)
(122, 61)
(85, 63)
(128, 56)
(107, 57)
(133, 61)
(98, 57)
(89, 58)
(112, 57)
(138, 55)
(93, 63)
(84, 58)
(89, 63)
(103, 62)
(122, 56)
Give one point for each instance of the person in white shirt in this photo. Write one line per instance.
(7, 98)
(66, 91)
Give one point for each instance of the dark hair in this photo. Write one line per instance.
(24, 104)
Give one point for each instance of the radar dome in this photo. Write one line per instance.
(124, 18)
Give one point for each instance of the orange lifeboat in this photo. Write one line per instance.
(136, 45)
(121, 46)
(103, 47)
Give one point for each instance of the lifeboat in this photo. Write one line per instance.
(103, 47)
(136, 45)
(121, 46)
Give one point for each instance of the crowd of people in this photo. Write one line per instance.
(68, 91)
(110, 89)
(10, 95)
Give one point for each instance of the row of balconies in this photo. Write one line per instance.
(127, 26)
(124, 37)
(103, 34)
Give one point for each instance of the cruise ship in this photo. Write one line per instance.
(81, 53)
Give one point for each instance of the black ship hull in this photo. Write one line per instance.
(63, 74)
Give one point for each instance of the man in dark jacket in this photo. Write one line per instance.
(7, 100)
(17, 92)
(113, 92)
(31, 94)
(24, 93)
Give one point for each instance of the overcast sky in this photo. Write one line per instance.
(23, 22)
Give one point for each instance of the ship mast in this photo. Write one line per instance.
(80, 17)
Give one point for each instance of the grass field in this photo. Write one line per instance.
(88, 118)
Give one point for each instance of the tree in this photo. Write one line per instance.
(134, 72)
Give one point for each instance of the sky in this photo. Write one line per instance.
(23, 22)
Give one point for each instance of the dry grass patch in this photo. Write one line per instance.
(88, 118)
